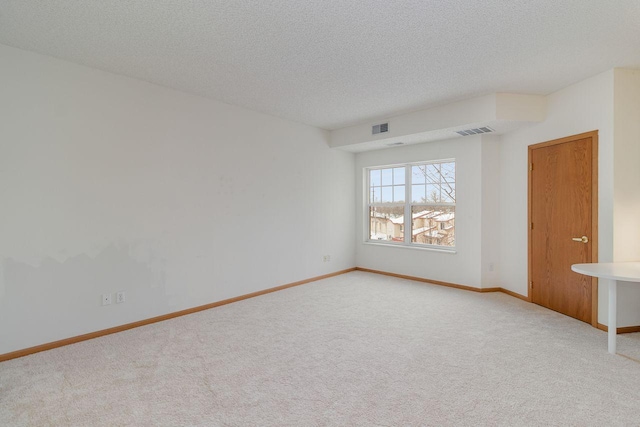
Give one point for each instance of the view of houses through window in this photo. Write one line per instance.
(419, 197)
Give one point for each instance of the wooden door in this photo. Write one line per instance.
(563, 224)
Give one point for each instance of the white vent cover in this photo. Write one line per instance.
(381, 128)
(475, 131)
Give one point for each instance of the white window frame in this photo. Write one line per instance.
(407, 225)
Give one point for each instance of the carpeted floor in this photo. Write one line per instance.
(356, 349)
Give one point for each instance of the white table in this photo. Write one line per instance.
(616, 271)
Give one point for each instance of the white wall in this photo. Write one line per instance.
(626, 241)
(462, 267)
(626, 176)
(490, 211)
(109, 183)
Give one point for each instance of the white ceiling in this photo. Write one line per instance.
(335, 63)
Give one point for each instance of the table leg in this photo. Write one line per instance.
(613, 288)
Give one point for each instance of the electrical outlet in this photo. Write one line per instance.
(120, 297)
(326, 258)
(106, 299)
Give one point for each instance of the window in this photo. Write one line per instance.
(420, 197)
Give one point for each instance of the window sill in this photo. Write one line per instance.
(419, 248)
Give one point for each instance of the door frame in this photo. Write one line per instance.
(593, 135)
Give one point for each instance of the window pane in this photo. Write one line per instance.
(433, 193)
(449, 193)
(449, 171)
(386, 223)
(375, 194)
(398, 193)
(398, 176)
(387, 176)
(433, 173)
(374, 177)
(418, 174)
(387, 194)
(433, 225)
(417, 193)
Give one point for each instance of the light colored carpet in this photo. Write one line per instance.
(357, 349)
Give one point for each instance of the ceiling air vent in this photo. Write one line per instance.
(381, 128)
(475, 131)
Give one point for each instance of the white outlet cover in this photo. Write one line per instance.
(120, 297)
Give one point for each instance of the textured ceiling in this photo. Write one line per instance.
(334, 63)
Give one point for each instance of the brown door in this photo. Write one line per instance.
(562, 209)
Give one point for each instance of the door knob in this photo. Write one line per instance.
(583, 239)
